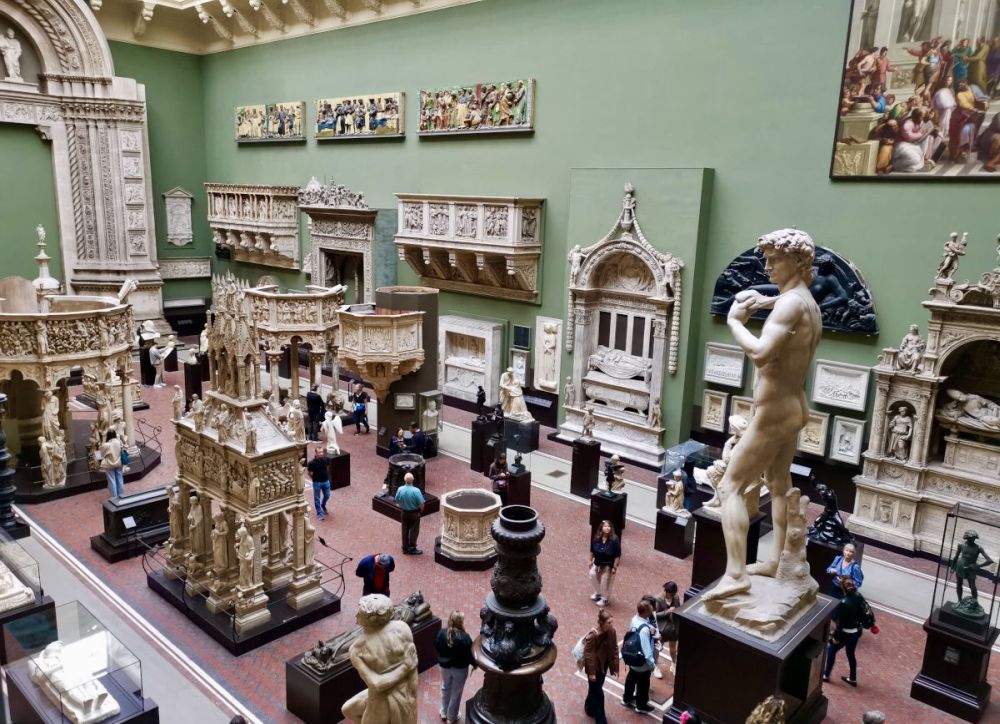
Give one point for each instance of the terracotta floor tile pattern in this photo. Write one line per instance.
(888, 661)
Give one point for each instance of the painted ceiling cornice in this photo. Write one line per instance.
(213, 26)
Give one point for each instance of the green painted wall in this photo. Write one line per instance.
(176, 113)
(27, 198)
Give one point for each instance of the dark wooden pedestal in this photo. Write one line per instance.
(820, 556)
(543, 406)
(339, 469)
(519, 488)
(170, 363)
(482, 431)
(206, 371)
(608, 507)
(712, 652)
(147, 373)
(585, 467)
(150, 524)
(317, 699)
(29, 628)
(521, 436)
(710, 550)
(192, 383)
(674, 534)
(952, 677)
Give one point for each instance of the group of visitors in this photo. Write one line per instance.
(414, 441)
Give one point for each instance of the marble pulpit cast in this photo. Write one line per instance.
(622, 388)
(767, 597)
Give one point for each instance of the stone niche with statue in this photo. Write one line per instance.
(469, 357)
(623, 331)
(935, 432)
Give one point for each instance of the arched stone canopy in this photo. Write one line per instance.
(96, 123)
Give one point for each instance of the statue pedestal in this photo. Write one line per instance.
(604, 506)
(521, 435)
(511, 696)
(387, 506)
(790, 667)
(339, 469)
(482, 431)
(674, 534)
(519, 488)
(129, 520)
(585, 467)
(206, 372)
(170, 363)
(710, 550)
(317, 698)
(820, 555)
(147, 373)
(952, 677)
(192, 384)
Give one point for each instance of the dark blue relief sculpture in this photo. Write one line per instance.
(837, 286)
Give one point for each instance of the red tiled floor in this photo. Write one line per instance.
(888, 661)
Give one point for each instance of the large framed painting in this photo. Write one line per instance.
(365, 115)
(918, 96)
(274, 122)
(506, 106)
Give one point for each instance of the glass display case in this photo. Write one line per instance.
(431, 406)
(20, 581)
(84, 675)
(965, 589)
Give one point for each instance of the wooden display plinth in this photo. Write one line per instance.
(30, 705)
(752, 669)
(389, 507)
(316, 698)
(147, 373)
(29, 628)
(339, 469)
(585, 467)
(461, 564)
(604, 506)
(192, 384)
(820, 556)
(674, 534)
(519, 488)
(543, 406)
(521, 436)
(129, 520)
(952, 677)
(170, 363)
(206, 371)
(710, 550)
(482, 431)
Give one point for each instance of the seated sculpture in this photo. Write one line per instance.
(81, 697)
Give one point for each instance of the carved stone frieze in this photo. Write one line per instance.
(469, 355)
(488, 246)
(186, 268)
(258, 224)
(381, 348)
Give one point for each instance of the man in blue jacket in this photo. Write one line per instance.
(374, 570)
(637, 681)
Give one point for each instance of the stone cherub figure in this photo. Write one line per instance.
(782, 356)
(296, 422)
(966, 566)
(911, 351)
(588, 425)
(332, 425)
(386, 659)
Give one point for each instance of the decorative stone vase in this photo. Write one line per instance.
(465, 531)
(515, 647)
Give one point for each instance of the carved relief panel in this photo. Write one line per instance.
(469, 355)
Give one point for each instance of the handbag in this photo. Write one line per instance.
(124, 456)
(578, 650)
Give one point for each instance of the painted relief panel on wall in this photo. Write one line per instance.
(939, 53)
(812, 438)
(492, 107)
(273, 122)
(365, 115)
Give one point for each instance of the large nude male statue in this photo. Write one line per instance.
(782, 355)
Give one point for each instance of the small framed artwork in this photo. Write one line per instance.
(847, 440)
(519, 361)
(812, 437)
(713, 410)
(840, 385)
(405, 401)
(724, 364)
(363, 115)
(250, 123)
(521, 335)
(742, 406)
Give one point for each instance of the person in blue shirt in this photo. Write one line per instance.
(374, 570)
(845, 565)
(636, 694)
(411, 505)
(319, 472)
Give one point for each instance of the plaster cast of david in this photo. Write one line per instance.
(178, 207)
(766, 598)
(812, 438)
(469, 357)
(713, 410)
(846, 440)
(625, 286)
(934, 432)
(840, 385)
(724, 364)
(548, 354)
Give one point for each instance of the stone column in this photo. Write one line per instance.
(251, 601)
(876, 441)
(274, 359)
(316, 367)
(294, 370)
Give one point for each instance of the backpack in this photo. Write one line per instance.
(632, 653)
(867, 615)
(578, 650)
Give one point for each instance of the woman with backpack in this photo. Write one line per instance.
(638, 655)
(851, 615)
(666, 603)
(454, 650)
(600, 657)
(605, 552)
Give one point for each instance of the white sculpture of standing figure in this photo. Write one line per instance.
(245, 552)
(588, 425)
(330, 427)
(53, 462)
(50, 418)
(569, 392)
(296, 422)
(547, 369)
(249, 435)
(674, 502)
(512, 398)
(220, 548)
(157, 356)
(10, 49)
(900, 432)
(782, 355)
(712, 476)
(386, 659)
(178, 403)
